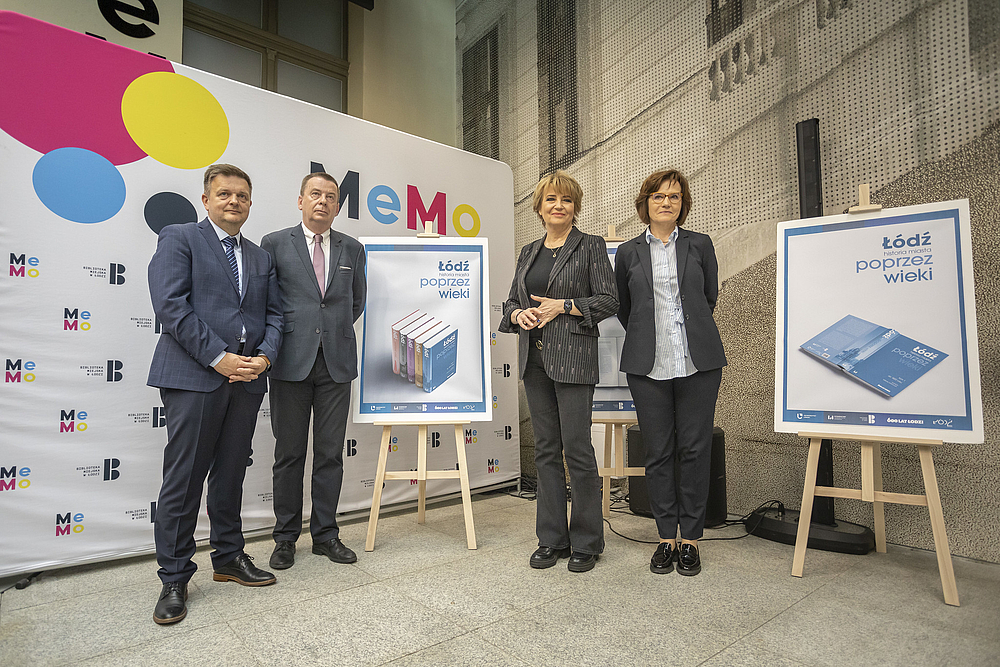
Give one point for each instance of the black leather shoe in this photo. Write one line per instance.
(547, 556)
(662, 561)
(171, 608)
(688, 560)
(283, 556)
(335, 550)
(579, 562)
(242, 570)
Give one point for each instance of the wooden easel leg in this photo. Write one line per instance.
(937, 527)
(878, 508)
(805, 513)
(421, 473)
(463, 477)
(606, 479)
(377, 492)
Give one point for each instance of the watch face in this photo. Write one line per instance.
(567, 305)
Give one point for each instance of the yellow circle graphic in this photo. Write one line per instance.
(175, 120)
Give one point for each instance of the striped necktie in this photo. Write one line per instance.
(230, 243)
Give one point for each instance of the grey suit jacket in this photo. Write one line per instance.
(698, 274)
(581, 272)
(198, 303)
(309, 318)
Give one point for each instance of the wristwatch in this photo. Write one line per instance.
(567, 306)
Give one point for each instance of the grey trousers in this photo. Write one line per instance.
(561, 418)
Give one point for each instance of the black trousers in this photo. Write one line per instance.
(676, 417)
(208, 434)
(292, 403)
(561, 418)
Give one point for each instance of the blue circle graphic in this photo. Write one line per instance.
(78, 185)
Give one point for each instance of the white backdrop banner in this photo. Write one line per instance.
(100, 148)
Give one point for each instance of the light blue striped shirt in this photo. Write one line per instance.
(671, 359)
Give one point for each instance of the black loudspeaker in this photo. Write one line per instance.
(638, 493)
(810, 174)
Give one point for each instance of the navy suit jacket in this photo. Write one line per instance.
(198, 303)
(308, 318)
(698, 276)
(582, 272)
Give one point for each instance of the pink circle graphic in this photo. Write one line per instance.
(60, 88)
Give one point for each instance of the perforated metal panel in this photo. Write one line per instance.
(715, 88)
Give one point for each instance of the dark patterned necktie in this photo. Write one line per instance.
(230, 243)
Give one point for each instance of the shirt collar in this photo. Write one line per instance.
(309, 234)
(671, 239)
(223, 234)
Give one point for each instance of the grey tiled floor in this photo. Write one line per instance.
(422, 598)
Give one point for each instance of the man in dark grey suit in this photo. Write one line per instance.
(216, 295)
(321, 274)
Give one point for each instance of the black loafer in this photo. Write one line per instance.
(688, 560)
(283, 556)
(662, 561)
(547, 556)
(171, 608)
(242, 570)
(580, 562)
(335, 550)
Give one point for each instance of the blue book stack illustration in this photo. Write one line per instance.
(880, 358)
(440, 358)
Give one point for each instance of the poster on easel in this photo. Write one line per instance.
(425, 332)
(612, 398)
(876, 325)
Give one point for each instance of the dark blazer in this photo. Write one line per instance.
(309, 318)
(198, 303)
(581, 272)
(698, 273)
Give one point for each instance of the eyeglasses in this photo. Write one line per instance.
(658, 197)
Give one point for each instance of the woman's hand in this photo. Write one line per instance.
(527, 318)
(548, 309)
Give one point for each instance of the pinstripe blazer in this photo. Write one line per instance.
(581, 272)
(195, 296)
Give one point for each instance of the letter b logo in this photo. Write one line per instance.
(435, 439)
(111, 472)
(113, 367)
(116, 274)
(351, 447)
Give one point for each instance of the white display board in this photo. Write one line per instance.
(425, 344)
(876, 325)
(612, 398)
(101, 147)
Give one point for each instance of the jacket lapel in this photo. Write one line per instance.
(522, 287)
(645, 259)
(682, 253)
(336, 250)
(208, 231)
(572, 241)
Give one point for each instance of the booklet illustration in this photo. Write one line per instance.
(879, 357)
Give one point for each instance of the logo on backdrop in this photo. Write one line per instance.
(112, 11)
(492, 466)
(142, 513)
(13, 478)
(110, 371)
(471, 436)
(503, 370)
(72, 421)
(16, 370)
(69, 523)
(75, 319)
(435, 439)
(106, 471)
(114, 273)
(505, 433)
(146, 322)
(22, 267)
(350, 447)
(156, 417)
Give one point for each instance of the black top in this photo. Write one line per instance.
(537, 279)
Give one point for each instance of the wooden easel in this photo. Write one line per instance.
(422, 474)
(616, 429)
(871, 491)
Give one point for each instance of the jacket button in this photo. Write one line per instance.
(241, 310)
(322, 305)
(687, 317)
(317, 329)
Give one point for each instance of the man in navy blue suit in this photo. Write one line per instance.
(216, 296)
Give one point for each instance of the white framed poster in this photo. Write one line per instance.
(612, 398)
(425, 342)
(876, 325)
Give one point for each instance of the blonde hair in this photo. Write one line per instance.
(563, 184)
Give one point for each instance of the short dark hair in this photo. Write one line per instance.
(224, 170)
(653, 183)
(318, 174)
